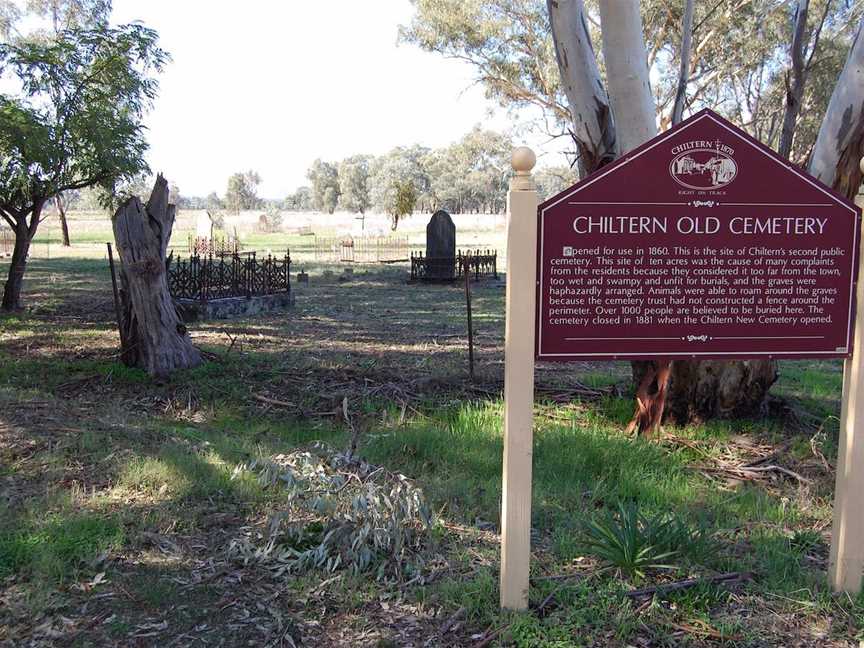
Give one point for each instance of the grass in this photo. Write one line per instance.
(98, 461)
(57, 547)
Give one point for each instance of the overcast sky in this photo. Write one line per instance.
(272, 85)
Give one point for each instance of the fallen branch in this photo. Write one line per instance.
(273, 401)
(752, 472)
(732, 577)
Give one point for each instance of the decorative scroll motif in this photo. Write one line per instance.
(480, 263)
(204, 278)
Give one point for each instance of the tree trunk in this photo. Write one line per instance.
(61, 211)
(24, 233)
(15, 278)
(840, 143)
(156, 340)
(695, 390)
(795, 84)
(684, 64)
(627, 74)
(593, 127)
(702, 390)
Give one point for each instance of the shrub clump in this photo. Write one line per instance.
(340, 513)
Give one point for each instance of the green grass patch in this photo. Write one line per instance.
(58, 547)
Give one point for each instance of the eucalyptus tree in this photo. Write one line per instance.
(71, 114)
(324, 177)
(300, 200)
(708, 388)
(353, 177)
(738, 59)
(471, 174)
(552, 180)
(242, 191)
(397, 180)
(741, 56)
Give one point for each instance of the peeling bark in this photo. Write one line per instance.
(840, 143)
(593, 126)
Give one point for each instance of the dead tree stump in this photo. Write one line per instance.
(154, 338)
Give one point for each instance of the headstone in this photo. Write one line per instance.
(302, 277)
(204, 226)
(440, 246)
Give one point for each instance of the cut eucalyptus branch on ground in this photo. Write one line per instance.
(340, 513)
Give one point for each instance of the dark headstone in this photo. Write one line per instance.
(440, 246)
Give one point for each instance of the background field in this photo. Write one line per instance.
(118, 506)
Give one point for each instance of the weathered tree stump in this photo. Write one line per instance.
(696, 391)
(153, 336)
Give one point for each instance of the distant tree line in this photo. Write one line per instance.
(469, 176)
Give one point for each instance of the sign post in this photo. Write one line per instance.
(846, 561)
(518, 382)
(701, 243)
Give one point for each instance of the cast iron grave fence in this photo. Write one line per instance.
(204, 278)
(479, 263)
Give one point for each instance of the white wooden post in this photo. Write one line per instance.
(846, 562)
(519, 382)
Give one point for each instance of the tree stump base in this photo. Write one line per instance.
(152, 335)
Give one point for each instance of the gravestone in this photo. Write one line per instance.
(440, 246)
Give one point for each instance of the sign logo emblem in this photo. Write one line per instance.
(703, 168)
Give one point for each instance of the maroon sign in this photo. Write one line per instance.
(700, 243)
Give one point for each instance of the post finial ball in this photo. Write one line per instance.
(523, 160)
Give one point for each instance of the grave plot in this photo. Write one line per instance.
(221, 286)
(442, 262)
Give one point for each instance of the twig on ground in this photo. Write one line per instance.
(732, 577)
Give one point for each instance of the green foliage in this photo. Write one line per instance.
(71, 117)
(270, 220)
(300, 200)
(404, 199)
(553, 180)
(470, 174)
(631, 542)
(242, 191)
(739, 63)
(325, 185)
(507, 41)
(76, 118)
(353, 184)
(390, 178)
